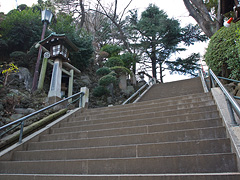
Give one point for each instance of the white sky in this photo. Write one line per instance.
(174, 8)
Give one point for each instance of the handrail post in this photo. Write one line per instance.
(21, 132)
(84, 100)
(234, 122)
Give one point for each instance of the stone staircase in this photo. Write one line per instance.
(170, 138)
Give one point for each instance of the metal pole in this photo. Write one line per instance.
(21, 132)
(231, 112)
(35, 78)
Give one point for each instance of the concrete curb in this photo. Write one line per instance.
(233, 131)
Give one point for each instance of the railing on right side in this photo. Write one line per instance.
(233, 106)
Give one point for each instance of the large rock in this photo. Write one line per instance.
(24, 74)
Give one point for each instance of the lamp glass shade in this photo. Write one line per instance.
(47, 16)
(56, 50)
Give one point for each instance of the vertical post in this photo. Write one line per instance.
(35, 78)
(85, 98)
(70, 85)
(43, 73)
(21, 132)
(230, 109)
(55, 87)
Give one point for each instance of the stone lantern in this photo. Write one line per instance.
(59, 46)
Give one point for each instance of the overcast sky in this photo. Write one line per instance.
(173, 8)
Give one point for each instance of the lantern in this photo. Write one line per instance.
(59, 46)
(46, 16)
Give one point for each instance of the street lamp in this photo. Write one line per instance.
(46, 19)
(46, 16)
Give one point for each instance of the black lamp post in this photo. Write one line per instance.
(46, 19)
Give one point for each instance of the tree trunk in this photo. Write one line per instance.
(83, 14)
(198, 10)
(161, 73)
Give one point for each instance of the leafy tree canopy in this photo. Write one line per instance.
(160, 36)
(21, 29)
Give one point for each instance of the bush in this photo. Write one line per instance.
(222, 52)
(100, 91)
(103, 71)
(106, 80)
(114, 61)
(121, 70)
(112, 50)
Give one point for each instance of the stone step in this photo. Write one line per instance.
(154, 108)
(195, 98)
(201, 163)
(147, 114)
(184, 176)
(169, 136)
(172, 89)
(86, 132)
(129, 151)
(108, 123)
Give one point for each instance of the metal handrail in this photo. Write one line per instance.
(139, 90)
(228, 79)
(232, 104)
(21, 120)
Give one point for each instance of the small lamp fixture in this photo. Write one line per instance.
(47, 16)
(59, 46)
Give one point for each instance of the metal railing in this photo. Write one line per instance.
(138, 92)
(233, 106)
(23, 119)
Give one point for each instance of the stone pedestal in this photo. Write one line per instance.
(123, 82)
(55, 87)
(85, 98)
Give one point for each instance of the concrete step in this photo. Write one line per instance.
(85, 132)
(184, 176)
(202, 163)
(147, 114)
(144, 119)
(170, 136)
(154, 108)
(172, 89)
(129, 151)
(195, 98)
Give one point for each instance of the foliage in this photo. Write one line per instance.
(114, 61)
(103, 71)
(160, 36)
(107, 79)
(112, 50)
(222, 52)
(100, 91)
(20, 58)
(129, 59)
(21, 29)
(7, 69)
(65, 25)
(83, 57)
(120, 70)
(185, 66)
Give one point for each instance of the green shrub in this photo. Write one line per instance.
(106, 80)
(222, 52)
(103, 71)
(121, 70)
(114, 61)
(100, 91)
(112, 50)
